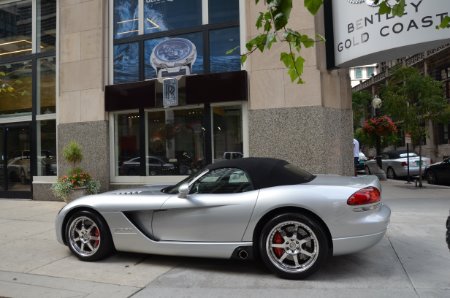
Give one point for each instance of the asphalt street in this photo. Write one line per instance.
(412, 260)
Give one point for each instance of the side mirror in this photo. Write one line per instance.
(183, 190)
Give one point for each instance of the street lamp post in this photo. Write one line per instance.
(376, 105)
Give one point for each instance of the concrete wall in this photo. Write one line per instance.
(308, 124)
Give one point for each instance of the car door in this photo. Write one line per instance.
(217, 209)
(443, 171)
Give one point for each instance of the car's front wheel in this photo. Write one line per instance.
(431, 177)
(88, 236)
(293, 246)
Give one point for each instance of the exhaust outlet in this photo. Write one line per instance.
(243, 254)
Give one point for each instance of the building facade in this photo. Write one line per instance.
(361, 73)
(152, 93)
(434, 63)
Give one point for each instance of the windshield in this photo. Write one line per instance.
(173, 189)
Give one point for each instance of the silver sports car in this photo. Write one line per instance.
(240, 208)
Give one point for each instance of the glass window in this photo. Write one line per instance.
(126, 63)
(46, 97)
(163, 15)
(193, 62)
(226, 180)
(370, 71)
(46, 148)
(223, 11)
(177, 139)
(125, 18)
(358, 73)
(227, 138)
(127, 142)
(15, 28)
(18, 101)
(46, 25)
(220, 42)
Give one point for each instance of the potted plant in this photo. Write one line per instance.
(77, 182)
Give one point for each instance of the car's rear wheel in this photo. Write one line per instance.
(448, 232)
(88, 236)
(390, 173)
(431, 177)
(293, 246)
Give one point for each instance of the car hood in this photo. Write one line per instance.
(349, 181)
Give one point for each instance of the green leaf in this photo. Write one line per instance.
(445, 23)
(384, 8)
(307, 41)
(399, 8)
(313, 5)
(286, 58)
(243, 59)
(259, 20)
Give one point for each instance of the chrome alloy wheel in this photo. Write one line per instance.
(292, 247)
(84, 236)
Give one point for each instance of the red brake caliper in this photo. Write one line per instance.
(278, 239)
(96, 233)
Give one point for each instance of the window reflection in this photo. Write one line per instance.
(125, 18)
(47, 85)
(227, 122)
(223, 11)
(127, 142)
(177, 138)
(46, 148)
(169, 15)
(46, 25)
(18, 101)
(220, 42)
(126, 63)
(15, 28)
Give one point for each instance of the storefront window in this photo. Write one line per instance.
(15, 28)
(46, 25)
(163, 15)
(227, 123)
(47, 85)
(126, 19)
(176, 142)
(18, 101)
(127, 142)
(126, 63)
(221, 11)
(220, 42)
(46, 148)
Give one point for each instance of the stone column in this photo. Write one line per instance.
(311, 124)
(83, 72)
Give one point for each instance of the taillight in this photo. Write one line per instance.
(364, 196)
(404, 164)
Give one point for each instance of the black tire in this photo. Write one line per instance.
(299, 253)
(88, 236)
(431, 177)
(390, 173)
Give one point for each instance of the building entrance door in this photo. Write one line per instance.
(15, 161)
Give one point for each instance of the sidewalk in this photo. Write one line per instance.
(411, 261)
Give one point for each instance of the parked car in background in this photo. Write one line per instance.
(361, 166)
(395, 164)
(438, 173)
(156, 166)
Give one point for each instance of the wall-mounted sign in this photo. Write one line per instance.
(362, 36)
(173, 57)
(170, 92)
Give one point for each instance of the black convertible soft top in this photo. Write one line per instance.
(266, 172)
